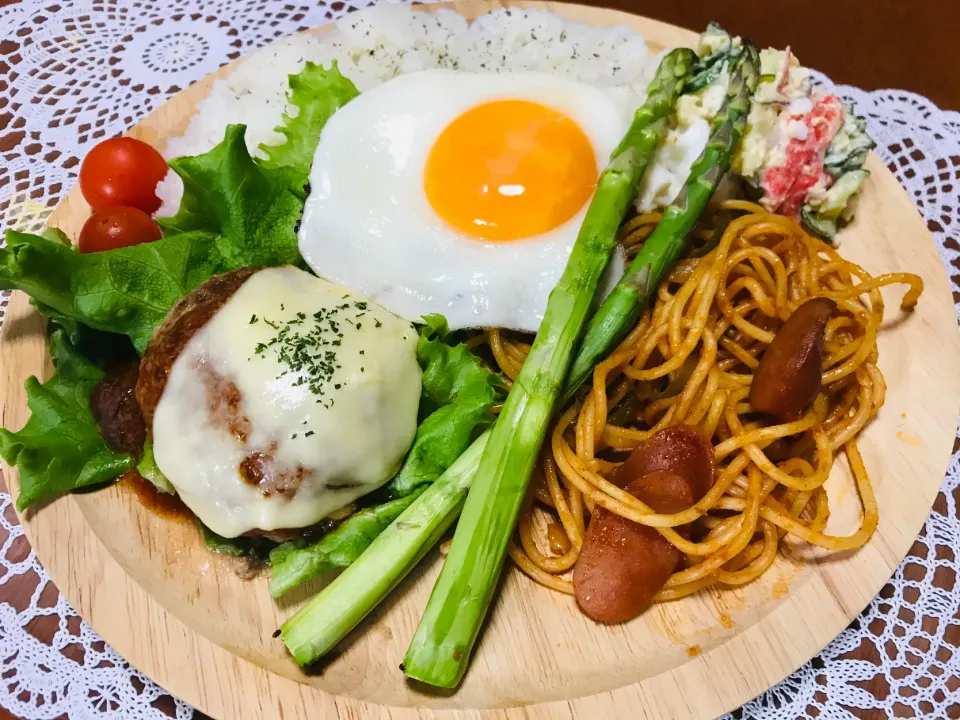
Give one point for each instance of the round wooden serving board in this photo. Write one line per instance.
(181, 614)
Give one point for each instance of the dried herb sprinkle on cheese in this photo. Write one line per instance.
(307, 345)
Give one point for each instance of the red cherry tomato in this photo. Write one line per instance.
(122, 171)
(117, 227)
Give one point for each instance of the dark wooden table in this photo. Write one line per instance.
(908, 44)
(897, 44)
(905, 44)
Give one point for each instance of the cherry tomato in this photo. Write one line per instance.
(117, 227)
(122, 171)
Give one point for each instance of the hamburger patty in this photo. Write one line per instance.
(114, 405)
(224, 400)
(183, 321)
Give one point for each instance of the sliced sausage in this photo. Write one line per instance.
(623, 564)
(787, 379)
(681, 449)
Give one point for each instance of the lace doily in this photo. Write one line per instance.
(73, 73)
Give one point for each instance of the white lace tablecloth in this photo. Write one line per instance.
(72, 73)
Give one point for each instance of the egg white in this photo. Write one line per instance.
(368, 224)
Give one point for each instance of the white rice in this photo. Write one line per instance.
(376, 44)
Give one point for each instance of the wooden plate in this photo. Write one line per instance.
(181, 614)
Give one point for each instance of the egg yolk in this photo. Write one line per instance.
(510, 169)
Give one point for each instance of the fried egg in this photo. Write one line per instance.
(459, 193)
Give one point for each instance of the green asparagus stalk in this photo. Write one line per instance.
(441, 646)
(660, 252)
(340, 606)
(314, 630)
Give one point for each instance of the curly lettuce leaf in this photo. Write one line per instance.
(126, 291)
(317, 93)
(248, 220)
(235, 547)
(255, 549)
(248, 207)
(464, 392)
(73, 329)
(56, 235)
(147, 467)
(232, 193)
(60, 448)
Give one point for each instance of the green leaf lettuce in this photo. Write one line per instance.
(316, 93)
(463, 390)
(147, 467)
(126, 291)
(256, 549)
(249, 208)
(247, 219)
(60, 448)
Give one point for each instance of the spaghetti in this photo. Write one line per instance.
(690, 360)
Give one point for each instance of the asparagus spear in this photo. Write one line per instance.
(340, 606)
(441, 646)
(314, 630)
(623, 306)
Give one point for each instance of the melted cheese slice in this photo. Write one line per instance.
(294, 400)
